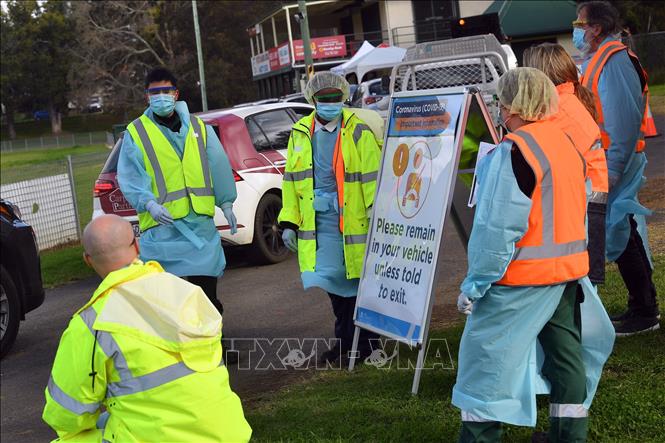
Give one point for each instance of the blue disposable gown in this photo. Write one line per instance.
(498, 371)
(623, 107)
(330, 271)
(165, 243)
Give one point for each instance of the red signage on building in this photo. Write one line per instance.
(322, 47)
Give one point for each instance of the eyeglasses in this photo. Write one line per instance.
(333, 97)
(580, 23)
(161, 90)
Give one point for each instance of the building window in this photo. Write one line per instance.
(432, 19)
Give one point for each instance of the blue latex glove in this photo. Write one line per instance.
(290, 239)
(227, 209)
(159, 213)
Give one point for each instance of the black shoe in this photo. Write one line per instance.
(636, 325)
(618, 318)
(539, 437)
(628, 313)
(331, 355)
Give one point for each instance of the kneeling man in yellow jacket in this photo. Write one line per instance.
(142, 360)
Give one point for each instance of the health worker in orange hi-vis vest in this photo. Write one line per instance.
(527, 258)
(576, 117)
(619, 84)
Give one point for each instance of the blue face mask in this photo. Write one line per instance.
(162, 104)
(579, 42)
(329, 111)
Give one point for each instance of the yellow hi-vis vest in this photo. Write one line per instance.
(175, 182)
(146, 347)
(356, 174)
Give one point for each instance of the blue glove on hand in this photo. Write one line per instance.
(464, 304)
(230, 218)
(290, 239)
(159, 213)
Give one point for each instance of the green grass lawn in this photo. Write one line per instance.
(376, 405)
(657, 98)
(20, 159)
(63, 264)
(70, 124)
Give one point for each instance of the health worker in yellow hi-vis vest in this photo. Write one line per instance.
(142, 359)
(328, 191)
(173, 170)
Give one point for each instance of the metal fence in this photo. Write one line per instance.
(57, 141)
(55, 197)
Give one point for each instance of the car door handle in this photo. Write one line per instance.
(280, 163)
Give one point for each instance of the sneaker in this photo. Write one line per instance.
(628, 313)
(331, 355)
(636, 325)
(618, 318)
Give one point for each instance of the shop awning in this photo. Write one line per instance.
(532, 18)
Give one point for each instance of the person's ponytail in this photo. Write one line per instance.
(586, 97)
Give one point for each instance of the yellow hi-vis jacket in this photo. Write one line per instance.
(175, 182)
(146, 347)
(356, 164)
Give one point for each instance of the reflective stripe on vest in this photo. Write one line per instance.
(164, 196)
(591, 78)
(66, 401)
(355, 182)
(108, 344)
(548, 249)
(150, 381)
(539, 259)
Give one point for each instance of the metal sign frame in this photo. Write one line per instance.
(461, 124)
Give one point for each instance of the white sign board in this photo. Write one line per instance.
(413, 196)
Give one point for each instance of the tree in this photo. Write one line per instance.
(16, 46)
(35, 37)
(120, 41)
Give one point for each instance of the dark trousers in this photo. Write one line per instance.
(561, 339)
(209, 286)
(343, 308)
(637, 274)
(596, 246)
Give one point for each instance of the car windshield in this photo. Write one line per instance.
(111, 164)
(378, 88)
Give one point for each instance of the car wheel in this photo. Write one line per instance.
(268, 246)
(10, 312)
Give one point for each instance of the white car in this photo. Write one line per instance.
(255, 139)
(374, 95)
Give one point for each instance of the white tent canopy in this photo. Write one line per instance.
(369, 58)
(379, 58)
(349, 65)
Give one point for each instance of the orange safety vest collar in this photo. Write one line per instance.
(591, 77)
(553, 250)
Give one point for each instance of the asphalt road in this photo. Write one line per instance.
(260, 302)
(264, 302)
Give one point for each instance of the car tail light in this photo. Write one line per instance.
(237, 177)
(10, 210)
(372, 99)
(103, 187)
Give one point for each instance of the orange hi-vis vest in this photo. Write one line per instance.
(579, 125)
(592, 75)
(553, 250)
